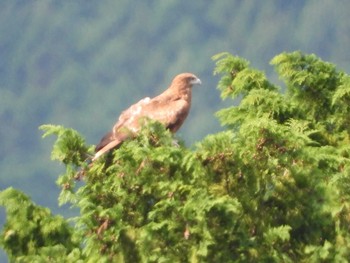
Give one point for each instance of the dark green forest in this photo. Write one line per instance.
(79, 64)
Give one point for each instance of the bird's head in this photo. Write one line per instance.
(182, 84)
(186, 79)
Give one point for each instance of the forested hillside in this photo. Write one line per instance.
(78, 64)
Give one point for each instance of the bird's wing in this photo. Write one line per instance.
(126, 116)
(170, 113)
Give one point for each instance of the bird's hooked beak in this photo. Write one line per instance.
(196, 81)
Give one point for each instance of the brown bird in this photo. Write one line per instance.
(169, 108)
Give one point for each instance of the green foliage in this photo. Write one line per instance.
(273, 187)
(69, 147)
(33, 234)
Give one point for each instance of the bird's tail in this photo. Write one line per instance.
(106, 148)
(91, 158)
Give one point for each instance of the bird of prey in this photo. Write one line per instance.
(169, 108)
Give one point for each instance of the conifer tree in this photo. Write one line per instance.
(273, 187)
